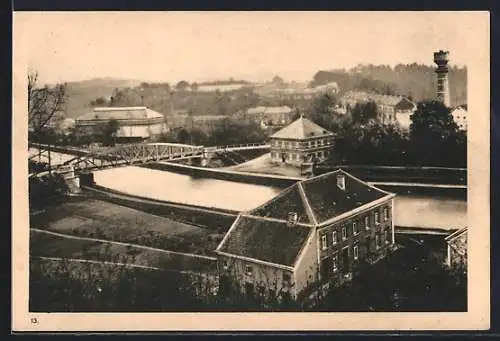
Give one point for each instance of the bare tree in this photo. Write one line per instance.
(43, 102)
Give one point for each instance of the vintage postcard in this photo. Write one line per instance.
(214, 171)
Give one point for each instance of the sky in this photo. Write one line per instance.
(200, 46)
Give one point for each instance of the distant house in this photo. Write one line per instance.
(273, 117)
(460, 116)
(319, 230)
(301, 141)
(457, 249)
(294, 90)
(135, 123)
(392, 109)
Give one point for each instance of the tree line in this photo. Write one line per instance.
(414, 80)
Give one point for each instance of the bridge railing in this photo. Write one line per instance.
(231, 146)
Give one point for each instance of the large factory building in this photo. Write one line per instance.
(136, 124)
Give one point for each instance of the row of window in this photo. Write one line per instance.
(354, 228)
(296, 144)
(249, 272)
(355, 249)
(297, 156)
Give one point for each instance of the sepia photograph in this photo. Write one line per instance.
(266, 165)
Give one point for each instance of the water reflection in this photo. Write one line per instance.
(410, 210)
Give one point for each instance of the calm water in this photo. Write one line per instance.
(410, 210)
(181, 188)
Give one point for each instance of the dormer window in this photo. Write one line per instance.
(341, 181)
(292, 218)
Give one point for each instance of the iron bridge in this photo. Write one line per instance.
(130, 154)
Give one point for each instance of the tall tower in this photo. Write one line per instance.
(443, 90)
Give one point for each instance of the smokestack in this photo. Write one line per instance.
(443, 90)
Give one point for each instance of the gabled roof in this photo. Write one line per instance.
(456, 234)
(301, 129)
(328, 201)
(120, 113)
(265, 240)
(262, 234)
(289, 200)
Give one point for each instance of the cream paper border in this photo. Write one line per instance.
(477, 317)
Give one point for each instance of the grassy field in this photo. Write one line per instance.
(46, 245)
(103, 220)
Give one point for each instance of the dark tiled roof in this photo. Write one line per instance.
(327, 200)
(266, 240)
(302, 128)
(287, 201)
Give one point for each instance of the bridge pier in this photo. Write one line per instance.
(68, 174)
(206, 157)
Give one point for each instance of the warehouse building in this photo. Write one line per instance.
(135, 124)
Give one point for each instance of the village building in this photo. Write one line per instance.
(456, 256)
(271, 117)
(391, 109)
(136, 124)
(317, 232)
(460, 116)
(300, 142)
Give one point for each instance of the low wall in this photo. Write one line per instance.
(251, 178)
(436, 191)
(428, 175)
(216, 219)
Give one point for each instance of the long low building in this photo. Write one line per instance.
(134, 123)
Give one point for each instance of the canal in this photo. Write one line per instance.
(422, 211)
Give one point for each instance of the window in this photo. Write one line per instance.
(323, 242)
(344, 233)
(334, 237)
(376, 218)
(248, 270)
(286, 278)
(386, 214)
(356, 252)
(355, 228)
(335, 263)
(297, 157)
(377, 241)
(367, 222)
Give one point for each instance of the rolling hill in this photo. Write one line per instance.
(81, 93)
